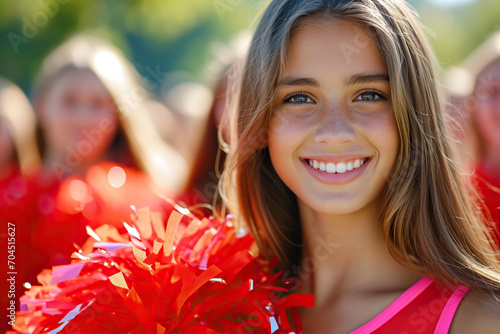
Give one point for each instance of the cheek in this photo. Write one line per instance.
(109, 123)
(390, 134)
(101, 132)
(384, 135)
(56, 123)
(108, 135)
(95, 117)
(276, 141)
(55, 114)
(287, 131)
(287, 126)
(283, 137)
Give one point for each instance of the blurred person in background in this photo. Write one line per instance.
(475, 90)
(19, 155)
(19, 159)
(196, 138)
(101, 151)
(202, 117)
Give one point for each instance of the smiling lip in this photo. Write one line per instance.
(336, 170)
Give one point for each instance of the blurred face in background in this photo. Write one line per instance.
(78, 118)
(487, 108)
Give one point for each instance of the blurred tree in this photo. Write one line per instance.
(158, 36)
(456, 31)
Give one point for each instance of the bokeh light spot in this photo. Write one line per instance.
(78, 190)
(117, 177)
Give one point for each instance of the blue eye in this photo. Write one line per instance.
(299, 99)
(370, 96)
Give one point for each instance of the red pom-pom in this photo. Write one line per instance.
(194, 276)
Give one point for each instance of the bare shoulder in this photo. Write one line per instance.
(477, 314)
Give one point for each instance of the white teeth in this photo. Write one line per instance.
(330, 167)
(339, 168)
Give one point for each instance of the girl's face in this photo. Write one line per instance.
(487, 101)
(333, 139)
(78, 118)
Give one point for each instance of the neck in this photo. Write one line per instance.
(347, 254)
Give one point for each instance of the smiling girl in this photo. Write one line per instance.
(341, 167)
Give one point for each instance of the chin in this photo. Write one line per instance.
(333, 206)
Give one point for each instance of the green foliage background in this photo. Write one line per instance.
(169, 34)
(179, 34)
(457, 31)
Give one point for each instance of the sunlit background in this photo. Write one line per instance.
(162, 36)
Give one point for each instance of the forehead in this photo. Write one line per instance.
(78, 80)
(333, 44)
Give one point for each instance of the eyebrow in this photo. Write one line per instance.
(366, 78)
(352, 80)
(298, 82)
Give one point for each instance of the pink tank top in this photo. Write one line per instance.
(425, 308)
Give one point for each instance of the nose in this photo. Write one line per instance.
(83, 113)
(334, 127)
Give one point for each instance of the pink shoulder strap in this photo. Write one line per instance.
(396, 306)
(444, 323)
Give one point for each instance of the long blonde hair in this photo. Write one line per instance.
(427, 216)
(18, 112)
